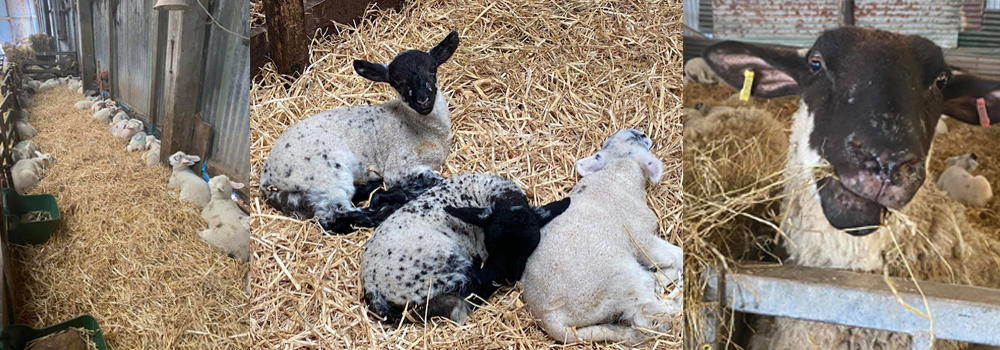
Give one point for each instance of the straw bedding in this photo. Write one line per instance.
(534, 86)
(126, 250)
(256, 13)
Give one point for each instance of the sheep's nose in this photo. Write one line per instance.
(424, 100)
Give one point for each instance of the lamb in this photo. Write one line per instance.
(23, 100)
(433, 253)
(99, 105)
(193, 188)
(85, 104)
(602, 260)
(25, 130)
(137, 142)
(314, 166)
(105, 114)
(119, 117)
(48, 84)
(126, 129)
(698, 71)
(25, 150)
(972, 191)
(152, 156)
(226, 231)
(27, 173)
(856, 167)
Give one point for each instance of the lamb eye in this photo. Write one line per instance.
(941, 81)
(815, 64)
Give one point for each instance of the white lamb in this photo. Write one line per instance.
(697, 70)
(193, 188)
(226, 231)
(125, 129)
(25, 150)
(152, 156)
(102, 104)
(137, 142)
(27, 173)
(598, 266)
(104, 115)
(119, 117)
(85, 104)
(973, 191)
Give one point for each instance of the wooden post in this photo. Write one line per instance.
(112, 51)
(85, 42)
(182, 74)
(287, 33)
(846, 13)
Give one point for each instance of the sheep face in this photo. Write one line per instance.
(413, 73)
(870, 103)
(134, 125)
(183, 159)
(223, 186)
(625, 144)
(968, 161)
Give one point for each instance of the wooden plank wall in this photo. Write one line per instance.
(8, 138)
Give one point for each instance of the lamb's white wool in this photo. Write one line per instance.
(152, 156)
(126, 128)
(972, 191)
(85, 104)
(27, 173)
(104, 115)
(137, 142)
(121, 115)
(25, 130)
(226, 230)
(25, 150)
(193, 188)
(697, 70)
(598, 263)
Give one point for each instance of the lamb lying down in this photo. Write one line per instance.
(597, 270)
(972, 191)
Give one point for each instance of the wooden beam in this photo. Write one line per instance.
(287, 33)
(846, 13)
(182, 74)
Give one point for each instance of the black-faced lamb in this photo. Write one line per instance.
(193, 188)
(227, 230)
(313, 168)
(27, 173)
(597, 269)
(870, 101)
(972, 191)
(461, 237)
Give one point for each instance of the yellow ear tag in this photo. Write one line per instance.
(747, 85)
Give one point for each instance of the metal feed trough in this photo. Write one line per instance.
(961, 313)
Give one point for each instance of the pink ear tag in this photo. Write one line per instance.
(984, 117)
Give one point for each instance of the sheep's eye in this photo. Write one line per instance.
(941, 81)
(815, 64)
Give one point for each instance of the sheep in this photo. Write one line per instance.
(104, 115)
(127, 128)
(601, 259)
(25, 130)
(193, 188)
(137, 142)
(23, 100)
(35, 84)
(99, 105)
(120, 116)
(226, 231)
(48, 84)
(27, 173)
(313, 167)
(855, 171)
(698, 71)
(433, 253)
(152, 156)
(85, 104)
(972, 191)
(25, 150)
(90, 93)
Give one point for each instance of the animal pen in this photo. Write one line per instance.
(533, 86)
(730, 239)
(125, 249)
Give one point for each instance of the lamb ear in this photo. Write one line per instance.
(443, 51)
(376, 72)
(474, 216)
(236, 185)
(775, 69)
(961, 93)
(590, 165)
(193, 158)
(652, 166)
(550, 211)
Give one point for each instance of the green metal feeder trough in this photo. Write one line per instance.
(16, 337)
(29, 233)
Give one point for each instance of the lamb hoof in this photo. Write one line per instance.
(336, 226)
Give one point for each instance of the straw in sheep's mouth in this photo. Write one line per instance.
(848, 211)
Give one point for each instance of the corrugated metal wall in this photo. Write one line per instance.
(987, 36)
(134, 27)
(691, 13)
(102, 52)
(799, 22)
(225, 99)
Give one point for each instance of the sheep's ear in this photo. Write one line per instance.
(961, 93)
(474, 216)
(550, 211)
(37, 153)
(775, 69)
(652, 166)
(236, 185)
(376, 72)
(193, 158)
(590, 165)
(443, 51)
